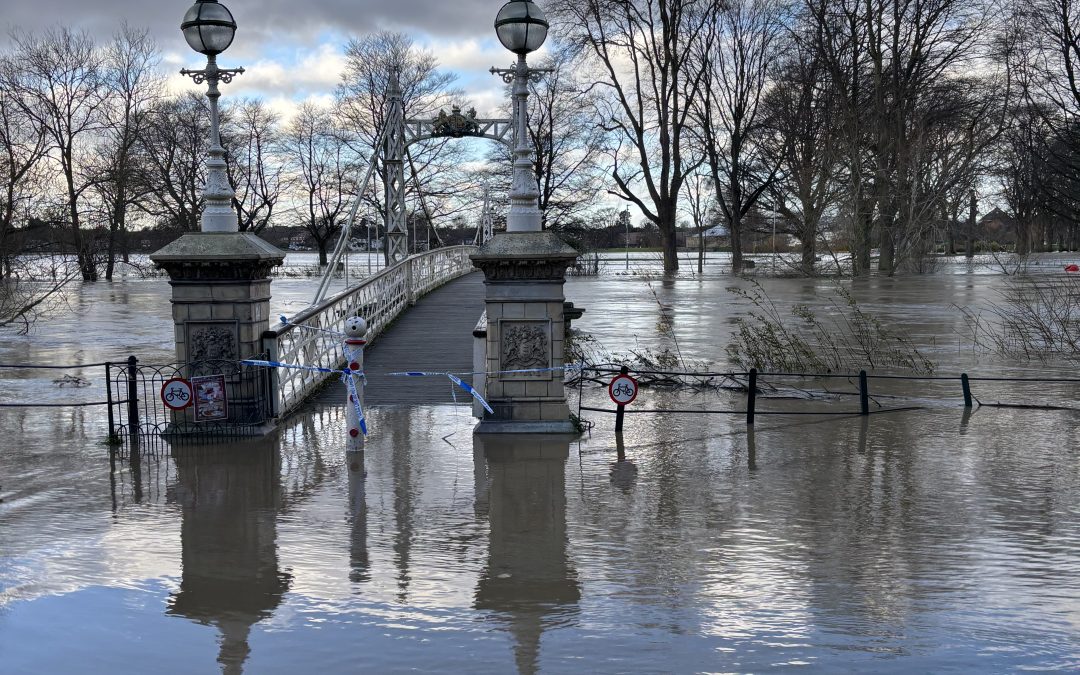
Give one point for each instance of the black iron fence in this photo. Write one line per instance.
(210, 401)
(752, 385)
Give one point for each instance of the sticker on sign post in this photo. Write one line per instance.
(176, 393)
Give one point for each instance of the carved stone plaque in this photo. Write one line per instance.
(218, 341)
(525, 345)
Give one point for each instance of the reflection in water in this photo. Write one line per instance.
(229, 498)
(623, 471)
(528, 580)
(359, 561)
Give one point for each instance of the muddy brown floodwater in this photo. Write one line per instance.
(928, 540)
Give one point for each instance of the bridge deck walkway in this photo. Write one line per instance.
(433, 335)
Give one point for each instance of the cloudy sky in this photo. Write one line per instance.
(292, 49)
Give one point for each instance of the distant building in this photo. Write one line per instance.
(997, 226)
(715, 237)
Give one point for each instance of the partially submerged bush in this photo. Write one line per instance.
(1039, 317)
(802, 343)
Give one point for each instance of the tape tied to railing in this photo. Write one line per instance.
(348, 376)
(472, 392)
(354, 397)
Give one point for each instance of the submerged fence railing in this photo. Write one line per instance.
(137, 413)
(379, 299)
(751, 381)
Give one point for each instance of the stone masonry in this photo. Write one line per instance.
(221, 293)
(524, 274)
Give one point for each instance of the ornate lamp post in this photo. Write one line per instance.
(522, 27)
(209, 28)
(524, 271)
(219, 275)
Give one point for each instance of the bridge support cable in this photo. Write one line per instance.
(423, 203)
(343, 239)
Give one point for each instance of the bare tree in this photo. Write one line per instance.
(252, 140)
(1048, 66)
(56, 77)
(802, 113)
(22, 148)
(642, 53)
(318, 157)
(175, 172)
(742, 38)
(899, 68)
(134, 87)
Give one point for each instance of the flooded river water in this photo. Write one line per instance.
(930, 540)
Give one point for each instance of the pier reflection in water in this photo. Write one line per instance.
(528, 581)
(229, 500)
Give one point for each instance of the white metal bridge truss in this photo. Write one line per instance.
(308, 339)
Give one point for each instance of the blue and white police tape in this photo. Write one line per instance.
(354, 398)
(453, 378)
(472, 392)
(419, 373)
(346, 378)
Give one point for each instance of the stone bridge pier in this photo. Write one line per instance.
(220, 293)
(524, 273)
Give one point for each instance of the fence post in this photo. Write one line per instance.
(966, 385)
(133, 397)
(751, 396)
(410, 293)
(273, 381)
(109, 400)
(620, 409)
(864, 394)
(355, 331)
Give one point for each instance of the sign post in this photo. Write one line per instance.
(623, 390)
(355, 332)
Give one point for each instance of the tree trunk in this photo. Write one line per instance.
(887, 259)
(809, 253)
(322, 252)
(701, 252)
(736, 245)
(666, 225)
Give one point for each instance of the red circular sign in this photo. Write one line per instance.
(623, 389)
(176, 394)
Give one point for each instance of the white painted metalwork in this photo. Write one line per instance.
(346, 232)
(500, 130)
(486, 230)
(209, 28)
(379, 299)
(397, 242)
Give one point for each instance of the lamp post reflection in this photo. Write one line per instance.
(528, 581)
(231, 577)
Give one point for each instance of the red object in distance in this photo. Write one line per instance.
(1072, 268)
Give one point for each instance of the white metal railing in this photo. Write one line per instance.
(379, 299)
